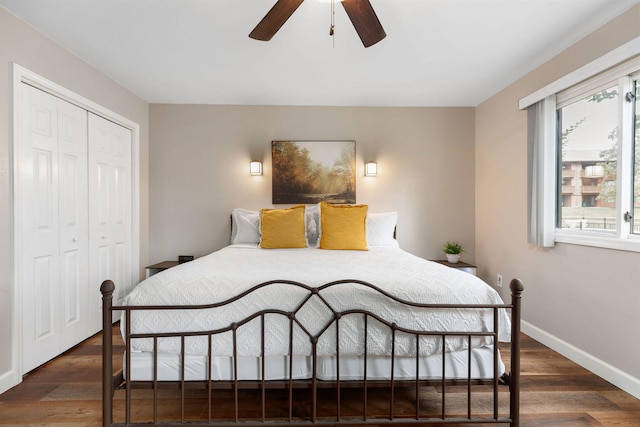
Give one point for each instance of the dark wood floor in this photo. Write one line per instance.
(555, 392)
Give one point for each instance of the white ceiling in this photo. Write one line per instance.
(437, 52)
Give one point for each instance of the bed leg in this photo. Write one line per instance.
(505, 379)
(107, 289)
(514, 378)
(117, 381)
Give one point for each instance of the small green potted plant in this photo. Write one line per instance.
(453, 250)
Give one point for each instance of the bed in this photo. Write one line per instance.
(247, 317)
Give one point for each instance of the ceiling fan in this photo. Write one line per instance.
(360, 12)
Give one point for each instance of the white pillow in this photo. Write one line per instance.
(380, 228)
(245, 226)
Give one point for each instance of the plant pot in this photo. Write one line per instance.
(453, 258)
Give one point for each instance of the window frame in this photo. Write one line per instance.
(623, 238)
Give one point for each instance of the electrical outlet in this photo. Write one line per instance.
(499, 280)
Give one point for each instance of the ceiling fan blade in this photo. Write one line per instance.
(365, 21)
(274, 19)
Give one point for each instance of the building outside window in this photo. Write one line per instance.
(595, 192)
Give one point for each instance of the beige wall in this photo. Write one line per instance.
(199, 161)
(582, 299)
(23, 45)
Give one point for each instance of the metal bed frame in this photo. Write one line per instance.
(113, 382)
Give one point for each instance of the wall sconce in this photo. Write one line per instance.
(255, 167)
(371, 169)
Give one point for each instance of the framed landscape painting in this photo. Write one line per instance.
(313, 171)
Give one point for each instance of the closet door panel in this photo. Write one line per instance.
(39, 232)
(110, 206)
(74, 222)
(72, 291)
(100, 231)
(44, 206)
(122, 209)
(100, 210)
(73, 240)
(43, 279)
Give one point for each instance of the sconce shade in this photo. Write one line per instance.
(371, 169)
(255, 167)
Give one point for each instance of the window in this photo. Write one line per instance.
(570, 193)
(598, 161)
(587, 146)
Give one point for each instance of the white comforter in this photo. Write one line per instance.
(234, 269)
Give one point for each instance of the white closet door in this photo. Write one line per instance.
(54, 253)
(40, 257)
(110, 207)
(73, 211)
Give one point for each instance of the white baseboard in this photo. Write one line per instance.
(599, 367)
(7, 381)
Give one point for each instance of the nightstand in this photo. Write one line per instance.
(471, 269)
(157, 268)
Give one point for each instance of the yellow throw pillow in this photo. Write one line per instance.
(283, 228)
(343, 227)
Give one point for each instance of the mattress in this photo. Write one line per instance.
(230, 271)
(351, 367)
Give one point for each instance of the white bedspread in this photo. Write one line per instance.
(234, 269)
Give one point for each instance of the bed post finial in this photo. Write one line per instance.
(107, 289)
(517, 288)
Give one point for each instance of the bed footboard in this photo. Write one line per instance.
(313, 400)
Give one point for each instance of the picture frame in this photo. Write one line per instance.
(313, 171)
